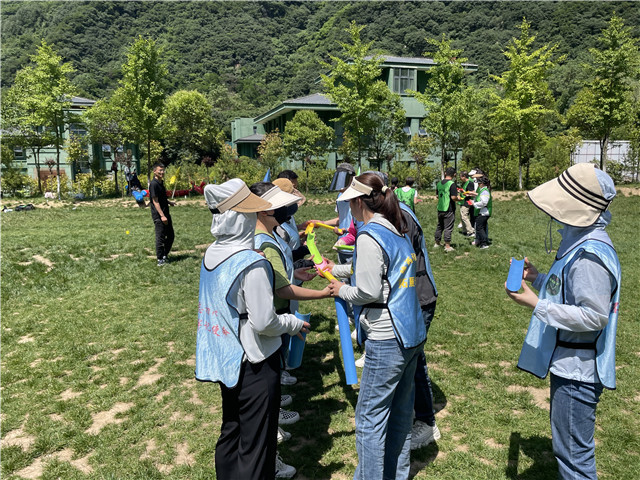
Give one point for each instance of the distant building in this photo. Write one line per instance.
(589, 152)
(400, 74)
(25, 160)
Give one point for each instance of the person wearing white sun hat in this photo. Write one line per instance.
(572, 331)
(238, 338)
(388, 316)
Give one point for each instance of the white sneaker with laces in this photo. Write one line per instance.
(436, 245)
(423, 434)
(282, 435)
(285, 400)
(283, 470)
(361, 360)
(287, 379)
(287, 417)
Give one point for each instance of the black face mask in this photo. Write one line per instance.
(281, 215)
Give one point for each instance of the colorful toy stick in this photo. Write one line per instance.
(328, 227)
(341, 311)
(347, 248)
(174, 181)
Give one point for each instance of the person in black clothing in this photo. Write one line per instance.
(160, 214)
(447, 197)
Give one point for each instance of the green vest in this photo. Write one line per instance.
(476, 211)
(406, 197)
(444, 197)
(464, 188)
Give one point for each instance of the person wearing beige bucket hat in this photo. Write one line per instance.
(238, 335)
(572, 331)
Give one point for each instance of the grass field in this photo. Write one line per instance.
(98, 349)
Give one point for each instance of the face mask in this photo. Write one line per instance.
(281, 215)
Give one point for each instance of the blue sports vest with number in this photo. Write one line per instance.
(294, 237)
(542, 339)
(219, 352)
(402, 303)
(281, 247)
(427, 263)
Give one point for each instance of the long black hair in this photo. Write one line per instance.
(385, 203)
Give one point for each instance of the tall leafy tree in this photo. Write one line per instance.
(45, 96)
(525, 103)
(605, 102)
(188, 127)
(271, 150)
(143, 89)
(419, 148)
(364, 100)
(445, 97)
(306, 136)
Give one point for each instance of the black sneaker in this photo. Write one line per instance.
(162, 262)
(166, 259)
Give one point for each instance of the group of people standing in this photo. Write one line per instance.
(251, 280)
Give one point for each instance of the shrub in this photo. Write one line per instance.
(50, 185)
(319, 179)
(244, 168)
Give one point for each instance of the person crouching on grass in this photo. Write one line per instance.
(238, 338)
(389, 318)
(572, 332)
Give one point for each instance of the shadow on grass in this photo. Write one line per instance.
(536, 448)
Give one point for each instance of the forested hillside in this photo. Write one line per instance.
(256, 53)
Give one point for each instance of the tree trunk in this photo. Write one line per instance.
(58, 139)
(148, 159)
(604, 146)
(418, 162)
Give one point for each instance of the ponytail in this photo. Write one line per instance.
(382, 200)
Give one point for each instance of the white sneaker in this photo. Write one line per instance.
(460, 225)
(285, 400)
(449, 249)
(354, 334)
(361, 360)
(436, 245)
(283, 470)
(423, 434)
(287, 417)
(282, 435)
(287, 379)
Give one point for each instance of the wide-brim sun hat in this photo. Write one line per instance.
(577, 197)
(357, 189)
(234, 195)
(277, 198)
(284, 184)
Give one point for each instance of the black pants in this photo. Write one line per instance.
(164, 237)
(246, 448)
(482, 233)
(445, 224)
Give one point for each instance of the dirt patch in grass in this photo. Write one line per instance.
(69, 394)
(45, 261)
(151, 376)
(491, 443)
(102, 419)
(540, 395)
(26, 339)
(18, 438)
(161, 395)
(183, 456)
(36, 469)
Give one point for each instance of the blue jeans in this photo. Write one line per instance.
(423, 405)
(384, 411)
(573, 421)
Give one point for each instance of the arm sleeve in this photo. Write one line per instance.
(258, 297)
(453, 190)
(281, 279)
(369, 274)
(483, 201)
(589, 286)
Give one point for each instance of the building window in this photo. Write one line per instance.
(106, 151)
(18, 153)
(77, 130)
(404, 79)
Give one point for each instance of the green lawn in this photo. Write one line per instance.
(98, 354)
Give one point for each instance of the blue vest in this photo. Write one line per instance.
(427, 263)
(292, 230)
(281, 247)
(402, 303)
(541, 340)
(219, 352)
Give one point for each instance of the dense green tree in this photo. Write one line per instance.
(525, 103)
(420, 148)
(306, 138)
(605, 103)
(188, 128)
(142, 90)
(364, 100)
(45, 97)
(445, 96)
(272, 151)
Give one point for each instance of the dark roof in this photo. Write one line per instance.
(318, 101)
(255, 138)
(82, 102)
(389, 61)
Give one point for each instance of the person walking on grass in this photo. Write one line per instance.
(447, 198)
(389, 319)
(407, 194)
(238, 339)
(572, 332)
(160, 214)
(466, 206)
(483, 208)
